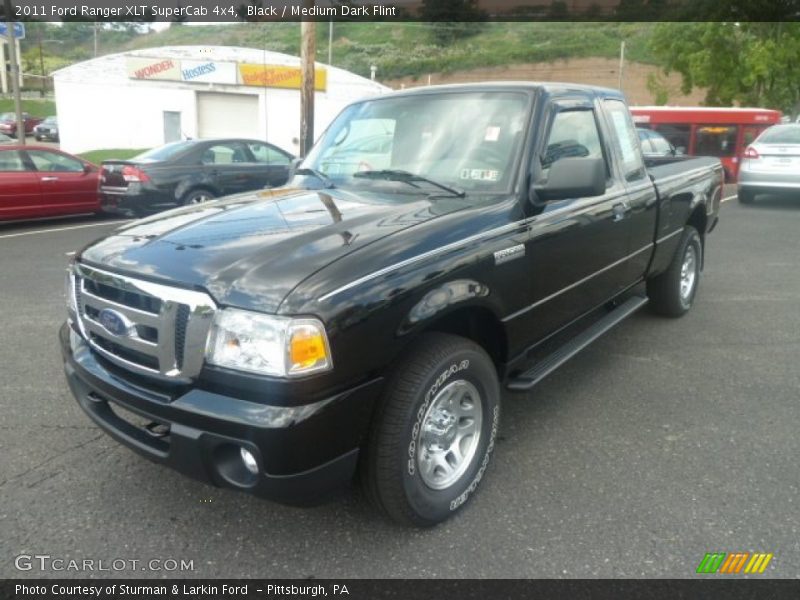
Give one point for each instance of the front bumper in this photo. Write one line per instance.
(46, 135)
(304, 452)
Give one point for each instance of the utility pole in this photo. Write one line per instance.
(41, 65)
(330, 42)
(308, 50)
(12, 54)
(621, 62)
(96, 25)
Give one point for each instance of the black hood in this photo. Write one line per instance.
(251, 250)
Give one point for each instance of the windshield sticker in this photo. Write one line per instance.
(492, 134)
(480, 174)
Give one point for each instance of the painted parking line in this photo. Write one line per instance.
(13, 235)
(728, 198)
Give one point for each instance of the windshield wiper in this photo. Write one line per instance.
(409, 178)
(327, 182)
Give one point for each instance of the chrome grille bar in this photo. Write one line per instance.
(184, 313)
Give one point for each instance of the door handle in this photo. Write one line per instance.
(620, 209)
(49, 178)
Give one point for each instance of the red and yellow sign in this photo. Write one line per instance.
(277, 76)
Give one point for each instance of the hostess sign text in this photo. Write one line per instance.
(231, 73)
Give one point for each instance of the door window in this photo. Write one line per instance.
(677, 135)
(660, 145)
(11, 160)
(715, 140)
(626, 140)
(224, 154)
(268, 155)
(47, 161)
(574, 134)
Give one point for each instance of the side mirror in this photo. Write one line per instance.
(571, 178)
(87, 168)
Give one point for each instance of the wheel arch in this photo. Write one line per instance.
(698, 219)
(189, 186)
(475, 322)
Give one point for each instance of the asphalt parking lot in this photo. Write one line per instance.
(661, 442)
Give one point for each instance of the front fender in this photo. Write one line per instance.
(445, 298)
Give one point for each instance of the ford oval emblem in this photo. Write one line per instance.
(114, 322)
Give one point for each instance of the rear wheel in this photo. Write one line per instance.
(745, 195)
(197, 196)
(672, 292)
(434, 431)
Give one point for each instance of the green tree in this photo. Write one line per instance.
(750, 63)
(451, 20)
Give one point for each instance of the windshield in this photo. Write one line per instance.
(8, 117)
(784, 134)
(50, 121)
(468, 140)
(162, 152)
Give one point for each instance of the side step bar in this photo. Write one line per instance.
(543, 368)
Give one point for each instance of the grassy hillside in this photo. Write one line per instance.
(407, 49)
(36, 108)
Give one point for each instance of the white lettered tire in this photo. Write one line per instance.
(433, 432)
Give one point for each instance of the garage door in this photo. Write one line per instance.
(227, 115)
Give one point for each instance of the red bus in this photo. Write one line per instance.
(706, 131)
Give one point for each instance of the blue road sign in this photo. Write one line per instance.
(19, 30)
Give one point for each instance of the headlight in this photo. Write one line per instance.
(69, 292)
(267, 344)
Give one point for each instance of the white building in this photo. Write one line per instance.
(145, 98)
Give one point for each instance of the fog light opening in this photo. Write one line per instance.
(249, 460)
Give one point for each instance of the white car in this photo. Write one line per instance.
(771, 164)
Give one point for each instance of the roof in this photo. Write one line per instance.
(551, 87)
(701, 109)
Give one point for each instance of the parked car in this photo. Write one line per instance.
(190, 172)
(37, 181)
(47, 129)
(654, 144)
(771, 164)
(278, 341)
(4, 139)
(8, 123)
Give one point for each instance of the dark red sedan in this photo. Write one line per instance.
(37, 181)
(8, 123)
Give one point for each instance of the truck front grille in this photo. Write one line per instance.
(148, 328)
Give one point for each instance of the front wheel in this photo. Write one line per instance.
(434, 431)
(672, 292)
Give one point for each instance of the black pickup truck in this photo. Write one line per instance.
(436, 246)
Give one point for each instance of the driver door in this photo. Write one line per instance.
(576, 247)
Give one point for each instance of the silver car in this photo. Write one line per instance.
(771, 164)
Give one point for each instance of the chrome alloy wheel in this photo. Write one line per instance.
(688, 274)
(200, 198)
(449, 436)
